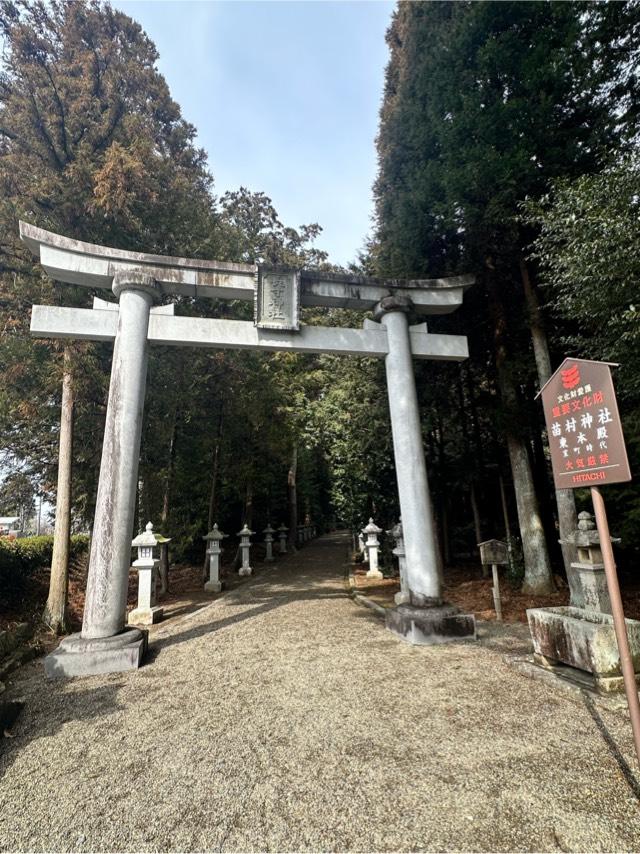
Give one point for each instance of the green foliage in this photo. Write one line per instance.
(20, 558)
(588, 251)
(486, 104)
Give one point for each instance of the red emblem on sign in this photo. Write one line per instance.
(570, 377)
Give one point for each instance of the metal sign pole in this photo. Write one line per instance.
(626, 662)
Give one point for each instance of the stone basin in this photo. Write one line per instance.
(582, 639)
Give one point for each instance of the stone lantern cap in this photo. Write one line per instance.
(587, 534)
(396, 531)
(245, 532)
(372, 528)
(283, 528)
(269, 529)
(147, 538)
(215, 534)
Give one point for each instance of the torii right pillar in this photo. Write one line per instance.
(426, 618)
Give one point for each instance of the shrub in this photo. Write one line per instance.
(19, 559)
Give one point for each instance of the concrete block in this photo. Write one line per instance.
(439, 624)
(77, 656)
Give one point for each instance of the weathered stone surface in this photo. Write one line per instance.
(95, 325)
(420, 539)
(89, 265)
(145, 616)
(78, 656)
(430, 625)
(582, 639)
(593, 586)
(107, 581)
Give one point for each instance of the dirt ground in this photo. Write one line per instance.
(283, 716)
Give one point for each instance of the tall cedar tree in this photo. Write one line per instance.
(91, 145)
(484, 104)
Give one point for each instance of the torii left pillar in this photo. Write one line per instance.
(103, 645)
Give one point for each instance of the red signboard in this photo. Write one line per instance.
(583, 425)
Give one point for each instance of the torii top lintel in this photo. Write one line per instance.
(93, 266)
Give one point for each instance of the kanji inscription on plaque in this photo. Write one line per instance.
(583, 425)
(277, 299)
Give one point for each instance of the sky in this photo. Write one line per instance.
(285, 97)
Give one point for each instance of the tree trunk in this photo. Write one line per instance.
(248, 519)
(166, 495)
(213, 494)
(537, 567)
(55, 612)
(292, 497)
(505, 511)
(567, 515)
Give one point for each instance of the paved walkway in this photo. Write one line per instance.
(284, 717)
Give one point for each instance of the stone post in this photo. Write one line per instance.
(361, 547)
(214, 550)
(110, 558)
(245, 545)
(103, 646)
(147, 612)
(372, 546)
(401, 598)
(282, 535)
(268, 542)
(425, 619)
(300, 535)
(421, 543)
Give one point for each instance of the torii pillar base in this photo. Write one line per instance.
(78, 656)
(432, 625)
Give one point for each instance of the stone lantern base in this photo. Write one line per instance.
(78, 656)
(437, 624)
(212, 586)
(145, 616)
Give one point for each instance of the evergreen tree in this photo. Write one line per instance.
(486, 103)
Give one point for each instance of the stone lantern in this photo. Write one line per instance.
(403, 597)
(268, 542)
(147, 612)
(214, 550)
(590, 565)
(245, 545)
(282, 535)
(372, 545)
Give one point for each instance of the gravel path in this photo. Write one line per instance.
(283, 717)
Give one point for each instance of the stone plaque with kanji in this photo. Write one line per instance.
(583, 424)
(277, 303)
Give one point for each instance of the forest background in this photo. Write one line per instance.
(507, 148)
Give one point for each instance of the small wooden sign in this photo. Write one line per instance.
(583, 425)
(493, 551)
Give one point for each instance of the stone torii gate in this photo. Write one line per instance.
(139, 281)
